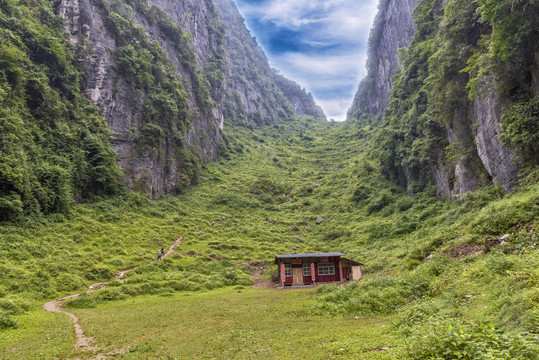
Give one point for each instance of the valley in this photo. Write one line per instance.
(131, 126)
(425, 259)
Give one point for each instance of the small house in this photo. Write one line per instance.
(312, 269)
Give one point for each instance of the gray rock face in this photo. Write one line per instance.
(465, 172)
(302, 102)
(155, 171)
(393, 29)
(246, 93)
(499, 161)
(473, 131)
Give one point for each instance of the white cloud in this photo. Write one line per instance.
(332, 76)
(335, 109)
(341, 19)
(324, 75)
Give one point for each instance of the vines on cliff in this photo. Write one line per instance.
(460, 50)
(54, 145)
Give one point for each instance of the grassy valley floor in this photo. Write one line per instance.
(433, 267)
(230, 323)
(233, 323)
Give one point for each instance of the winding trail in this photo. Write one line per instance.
(86, 343)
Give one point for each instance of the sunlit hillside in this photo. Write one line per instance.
(432, 267)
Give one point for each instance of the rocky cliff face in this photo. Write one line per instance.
(302, 102)
(393, 29)
(250, 94)
(166, 122)
(439, 135)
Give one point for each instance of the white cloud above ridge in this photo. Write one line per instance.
(341, 19)
(332, 79)
(321, 70)
(331, 53)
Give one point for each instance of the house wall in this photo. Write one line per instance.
(328, 278)
(356, 272)
(288, 280)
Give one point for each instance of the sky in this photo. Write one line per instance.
(320, 44)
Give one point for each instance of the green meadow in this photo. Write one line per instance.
(440, 277)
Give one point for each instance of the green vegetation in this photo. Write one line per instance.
(428, 262)
(461, 51)
(54, 145)
(447, 278)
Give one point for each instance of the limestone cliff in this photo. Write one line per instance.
(393, 29)
(166, 121)
(434, 128)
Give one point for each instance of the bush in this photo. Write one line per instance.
(405, 203)
(6, 322)
(380, 202)
(83, 301)
(414, 315)
(463, 339)
(14, 306)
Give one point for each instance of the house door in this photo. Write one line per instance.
(345, 272)
(297, 275)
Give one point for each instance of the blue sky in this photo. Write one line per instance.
(320, 44)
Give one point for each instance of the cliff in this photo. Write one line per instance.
(393, 28)
(452, 109)
(302, 102)
(167, 75)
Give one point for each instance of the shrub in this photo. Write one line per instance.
(464, 339)
(111, 294)
(6, 322)
(83, 301)
(405, 203)
(415, 315)
(14, 306)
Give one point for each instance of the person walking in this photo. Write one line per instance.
(159, 255)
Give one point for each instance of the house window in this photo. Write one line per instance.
(287, 269)
(306, 269)
(326, 269)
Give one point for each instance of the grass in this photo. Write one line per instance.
(40, 335)
(232, 323)
(422, 255)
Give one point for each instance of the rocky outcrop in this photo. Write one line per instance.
(162, 168)
(500, 162)
(164, 130)
(464, 149)
(302, 102)
(393, 29)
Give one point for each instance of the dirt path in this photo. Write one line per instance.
(262, 283)
(83, 342)
(255, 270)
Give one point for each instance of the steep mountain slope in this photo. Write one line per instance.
(223, 74)
(302, 102)
(54, 146)
(461, 84)
(165, 76)
(393, 29)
